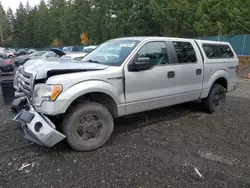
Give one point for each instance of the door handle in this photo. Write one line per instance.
(198, 71)
(171, 74)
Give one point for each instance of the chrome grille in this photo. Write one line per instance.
(24, 82)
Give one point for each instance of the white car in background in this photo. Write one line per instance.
(9, 54)
(6, 53)
(89, 48)
(74, 56)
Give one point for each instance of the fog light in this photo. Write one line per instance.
(38, 126)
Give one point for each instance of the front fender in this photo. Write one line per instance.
(85, 87)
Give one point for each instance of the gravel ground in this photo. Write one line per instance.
(180, 146)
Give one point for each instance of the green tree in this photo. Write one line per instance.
(19, 26)
(4, 26)
(42, 26)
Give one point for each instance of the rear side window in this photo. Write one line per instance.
(185, 52)
(214, 51)
(226, 51)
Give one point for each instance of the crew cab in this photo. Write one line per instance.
(78, 100)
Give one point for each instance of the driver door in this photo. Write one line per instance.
(153, 88)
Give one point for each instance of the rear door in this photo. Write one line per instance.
(189, 70)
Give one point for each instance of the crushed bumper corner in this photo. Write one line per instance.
(38, 128)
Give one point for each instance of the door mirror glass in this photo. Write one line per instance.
(142, 63)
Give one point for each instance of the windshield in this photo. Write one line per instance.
(112, 52)
(37, 54)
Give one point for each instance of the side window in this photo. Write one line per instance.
(156, 51)
(185, 52)
(212, 51)
(226, 51)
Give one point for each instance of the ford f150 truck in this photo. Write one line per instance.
(78, 100)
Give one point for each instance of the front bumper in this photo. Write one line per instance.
(37, 127)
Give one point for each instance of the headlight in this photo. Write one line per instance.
(43, 92)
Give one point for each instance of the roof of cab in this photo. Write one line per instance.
(141, 38)
(211, 42)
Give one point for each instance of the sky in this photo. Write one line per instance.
(13, 4)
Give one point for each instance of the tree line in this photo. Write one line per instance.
(60, 22)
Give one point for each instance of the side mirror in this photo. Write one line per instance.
(141, 63)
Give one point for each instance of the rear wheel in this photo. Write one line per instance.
(88, 126)
(216, 99)
(10, 56)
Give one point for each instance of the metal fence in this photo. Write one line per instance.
(240, 43)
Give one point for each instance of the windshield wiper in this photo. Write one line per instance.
(92, 61)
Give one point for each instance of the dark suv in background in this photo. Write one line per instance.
(6, 66)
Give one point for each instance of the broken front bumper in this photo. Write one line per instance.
(37, 127)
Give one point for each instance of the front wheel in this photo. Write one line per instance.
(88, 126)
(216, 99)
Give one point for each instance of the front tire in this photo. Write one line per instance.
(88, 126)
(216, 99)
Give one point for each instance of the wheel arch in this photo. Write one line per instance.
(221, 81)
(99, 97)
(219, 77)
(97, 91)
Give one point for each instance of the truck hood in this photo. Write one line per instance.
(44, 68)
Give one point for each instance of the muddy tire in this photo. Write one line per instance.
(88, 126)
(216, 99)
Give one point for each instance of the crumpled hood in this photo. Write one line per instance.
(41, 67)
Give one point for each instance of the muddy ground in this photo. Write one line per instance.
(180, 146)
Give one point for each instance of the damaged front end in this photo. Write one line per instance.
(37, 127)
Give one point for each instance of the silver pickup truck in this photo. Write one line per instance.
(78, 100)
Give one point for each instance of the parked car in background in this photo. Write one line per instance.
(89, 48)
(6, 53)
(12, 50)
(20, 60)
(20, 52)
(6, 66)
(77, 49)
(50, 54)
(9, 54)
(68, 49)
(75, 56)
(30, 51)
